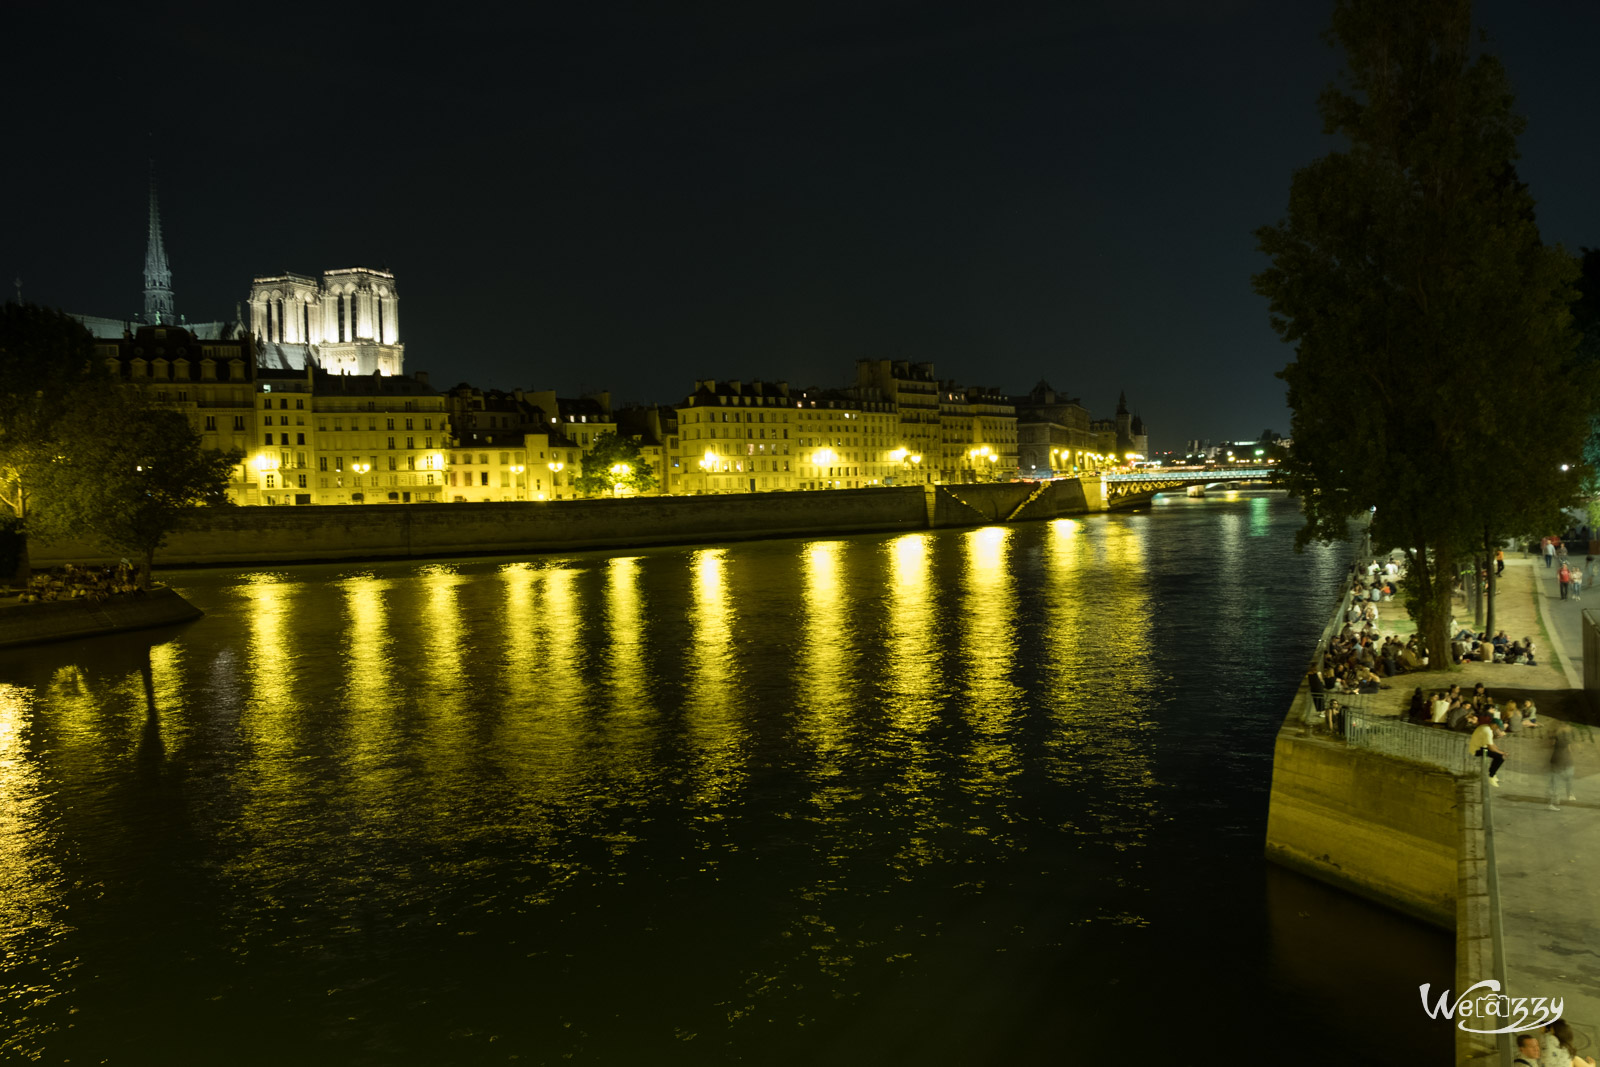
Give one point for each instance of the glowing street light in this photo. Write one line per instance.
(619, 471)
(556, 467)
(517, 469)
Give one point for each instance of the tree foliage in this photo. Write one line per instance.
(128, 473)
(1435, 376)
(46, 357)
(608, 452)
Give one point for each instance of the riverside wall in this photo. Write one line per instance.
(65, 620)
(285, 534)
(1377, 826)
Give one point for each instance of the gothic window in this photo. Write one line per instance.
(341, 318)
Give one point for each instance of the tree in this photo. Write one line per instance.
(614, 463)
(45, 357)
(1435, 377)
(130, 473)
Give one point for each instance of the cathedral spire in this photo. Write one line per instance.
(157, 278)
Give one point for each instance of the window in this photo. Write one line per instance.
(322, 425)
(427, 424)
(269, 439)
(338, 463)
(409, 441)
(322, 465)
(211, 422)
(483, 457)
(427, 442)
(505, 457)
(430, 479)
(238, 422)
(411, 463)
(303, 481)
(299, 438)
(391, 443)
(408, 424)
(390, 425)
(271, 482)
(267, 403)
(283, 404)
(300, 404)
(483, 477)
(338, 425)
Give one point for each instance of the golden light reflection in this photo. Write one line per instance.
(1093, 709)
(369, 669)
(626, 671)
(26, 869)
(444, 692)
(517, 632)
(710, 711)
(988, 651)
(823, 688)
(911, 641)
(274, 698)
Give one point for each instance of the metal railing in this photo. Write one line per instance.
(1416, 742)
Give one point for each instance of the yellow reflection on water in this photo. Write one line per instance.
(269, 662)
(443, 692)
(1099, 607)
(911, 639)
(516, 678)
(823, 688)
(626, 671)
(711, 713)
(988, 638)
(369, 670)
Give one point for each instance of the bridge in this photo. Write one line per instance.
(1120, 485)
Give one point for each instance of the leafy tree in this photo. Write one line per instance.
(1435, 375)
(45, 357)
(128, 472)
(615, 462)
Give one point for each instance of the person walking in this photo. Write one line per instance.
(1549, 551)
(1561, 767)
(1577, 583)
(1499, 562)
(1564, 576)
(1560, 1047)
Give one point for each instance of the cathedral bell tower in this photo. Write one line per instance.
(157, 277)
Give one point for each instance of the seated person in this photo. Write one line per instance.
(1527, 652)
(1530, 714)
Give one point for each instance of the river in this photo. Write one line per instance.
(986, 796)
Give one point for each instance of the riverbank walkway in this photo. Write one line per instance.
(1548, 861)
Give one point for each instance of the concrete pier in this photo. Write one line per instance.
(1412, 836)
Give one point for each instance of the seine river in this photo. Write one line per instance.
(988, 796)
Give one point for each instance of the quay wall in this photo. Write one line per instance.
(1380, 827)
(63, 620)
(334, 532)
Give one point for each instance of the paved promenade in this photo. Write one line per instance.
(1548, 861)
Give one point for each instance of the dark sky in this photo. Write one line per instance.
(633, 196)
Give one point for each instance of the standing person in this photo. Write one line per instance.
(1499, 562)
(1564, 576)
(1549, 551)
(1560, 1049)
(1483, 741)
(1577, 583)
(1561, 767)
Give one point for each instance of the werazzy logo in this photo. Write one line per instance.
(1524, 1013)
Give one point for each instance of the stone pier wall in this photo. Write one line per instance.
(282, 534)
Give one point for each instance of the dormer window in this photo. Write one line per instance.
(137, 368)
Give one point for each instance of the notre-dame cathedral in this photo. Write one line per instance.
(347, 322)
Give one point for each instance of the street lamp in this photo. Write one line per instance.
(823, 457)
(556, 467)
(619, 471)
(517, 469)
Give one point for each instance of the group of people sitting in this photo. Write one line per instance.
(74, 582)
(1481, 648)
(1457, 710)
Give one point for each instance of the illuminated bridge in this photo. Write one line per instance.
(1120, 485)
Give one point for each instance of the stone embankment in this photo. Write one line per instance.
(66, 620)
(401, 531)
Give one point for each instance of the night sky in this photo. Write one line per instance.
(634, 196)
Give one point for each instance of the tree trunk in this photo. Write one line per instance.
(1433, 579)
(1488, 555)
(146, 567)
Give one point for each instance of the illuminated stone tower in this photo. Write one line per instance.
(157, 276)
(348, 323)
